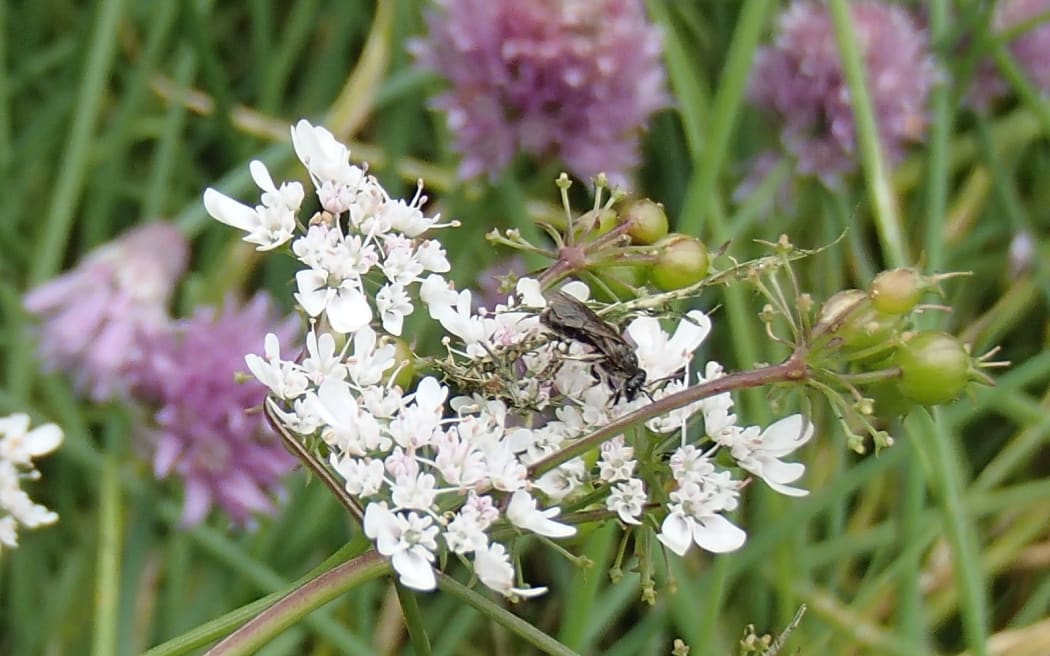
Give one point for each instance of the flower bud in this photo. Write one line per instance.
(646, 221)
(935, 368)
(680, 261)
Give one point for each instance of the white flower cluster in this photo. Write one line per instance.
(436, 473)
(18, 447)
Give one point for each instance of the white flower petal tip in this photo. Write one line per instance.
(523, 513)
(226, 210)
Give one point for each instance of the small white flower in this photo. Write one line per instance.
(661, 356)
(322, 361)
(617, 460)
(563, 480)
(270, 224)
(522, 512)
(285, 379)
(408, 540)
(345, 304)
(459, 462)
(693, 514)
(627, 499)
(465, 533)
(761, 454)
(400, 264)
(711, 532)
(303, 418)
(328, 161)
(363, 476)
(347, 428)
(492, 565)
(407, 217)
(415, 492)
(370, 361)
(19, 444)
(432, 256)
(394, 305)
(318, 246)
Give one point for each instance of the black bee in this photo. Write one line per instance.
(571, 319)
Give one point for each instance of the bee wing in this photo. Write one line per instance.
(569, 315)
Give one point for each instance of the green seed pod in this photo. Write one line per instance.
(836, 308)
(897, 291)
(935, 368)
(680, 261)
(595, 223)
(646, 221)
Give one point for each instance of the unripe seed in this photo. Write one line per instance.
(897, 291)
(595, 223)
(646, 221)
(935, 368)
(680, 261)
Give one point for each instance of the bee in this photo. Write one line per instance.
(571, 319)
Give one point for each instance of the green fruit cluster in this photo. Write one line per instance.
(871, 330)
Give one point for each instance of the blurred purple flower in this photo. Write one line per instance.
(98, 316)
(1030, 48)
(202, 430)
(799, 78)
(561, 78)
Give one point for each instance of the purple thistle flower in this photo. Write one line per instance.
(1030, 48)
(204, 431)
(562, 78)
(98, 316)
(799, 79)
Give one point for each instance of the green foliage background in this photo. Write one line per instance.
(115, 112)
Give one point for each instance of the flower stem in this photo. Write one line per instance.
(297, 604)
(313, 464)
(794, 369)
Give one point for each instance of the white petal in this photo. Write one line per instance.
(578, 290)
(348, 310)
(43, 439)
(313, 290)
(531, 293)
(233, 213)
(786, 435)
(522, 512)
(787, 490)
(717, 534)
(690, 332)
(675, 533)
(261, 176)
(414, 570)
(381, 525)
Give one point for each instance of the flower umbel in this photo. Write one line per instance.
(445, 465)
(1029, 49)
(203, 430)
(799, 79)
(100, 317)
(572, 79)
